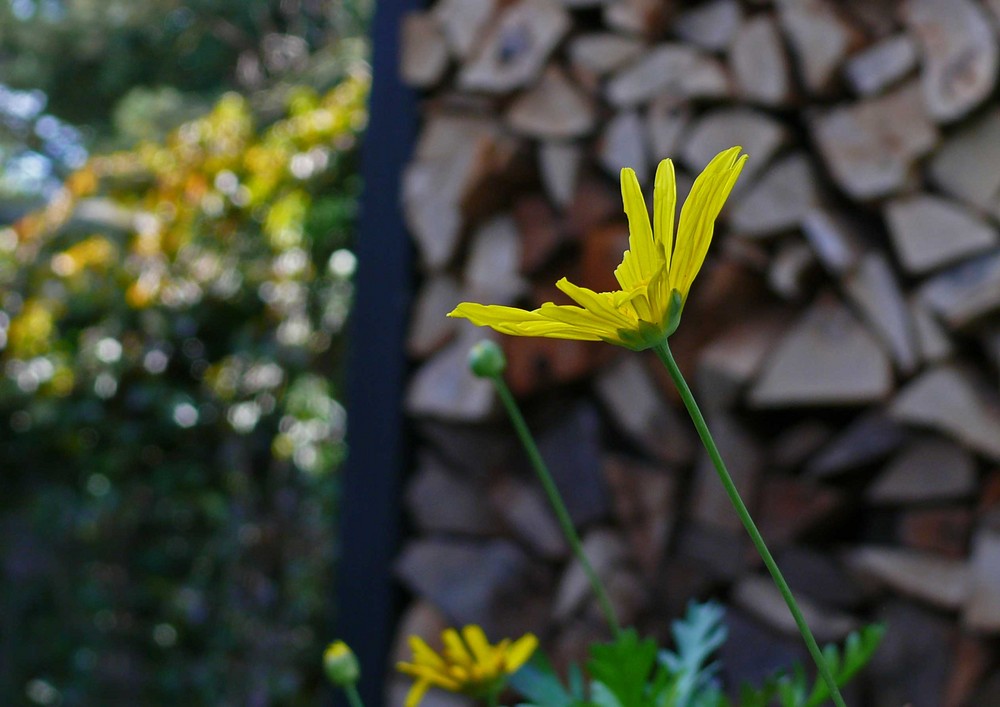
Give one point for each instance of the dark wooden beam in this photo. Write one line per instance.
(367, 596)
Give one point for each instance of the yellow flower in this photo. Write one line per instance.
(655, 274)
(468, 664)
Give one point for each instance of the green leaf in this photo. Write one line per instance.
(623, 667)
(858, 650)
(602, 696)
(792, 690)
(699, 634)
(537, 681)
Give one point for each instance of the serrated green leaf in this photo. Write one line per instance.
(623, 666)
(699, 634)
(859, 648)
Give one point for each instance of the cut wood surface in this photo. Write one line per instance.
(843, 337)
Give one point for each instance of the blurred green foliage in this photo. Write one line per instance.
(170, 347)
(85, 55)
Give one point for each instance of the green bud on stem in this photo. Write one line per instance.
(486, 359)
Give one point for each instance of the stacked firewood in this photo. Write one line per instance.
(843, 338)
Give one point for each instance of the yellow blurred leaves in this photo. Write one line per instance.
(31, 330)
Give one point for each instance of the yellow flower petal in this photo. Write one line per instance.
(601, 304)
(664, 208)
(518, 322)
(655, 273)
(416, 693)
(521, 651)
(468, 664)
(475, 638)
(454, 648)
(697, 221)
(638, 261)
(439, 678)
(424, 654)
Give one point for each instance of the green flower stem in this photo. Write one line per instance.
(562, 515)
(353, 697)
(663, 351)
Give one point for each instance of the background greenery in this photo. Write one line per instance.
(170, 343)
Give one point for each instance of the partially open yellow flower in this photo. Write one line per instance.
(468, 664)
(655, 274)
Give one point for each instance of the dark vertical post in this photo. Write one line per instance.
(369, 508)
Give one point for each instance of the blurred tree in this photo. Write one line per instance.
(87, 55)
(170, 327)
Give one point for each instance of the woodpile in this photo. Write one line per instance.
(843, 338)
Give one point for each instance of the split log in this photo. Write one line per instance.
(791, 508)
(881, 65)
(455, 156)
(964, 165)
(675, 69)
(444, 387)
(959, 50)
(932, 339)
(759, 63)
(493, 265)
(554, 109)
(930, 232)
(559, 164)
(540, 232)
(834, 239)
(430, 329)
(467, 511)
(646, 18)
(604, 52)
(942, 531)
(606, 551)
(760, 597)
(423, 52)
(982, 609)
(820, 40)
(873, 289)
(927, 470)
(527, 515)
(870, 147)
(950, 400)
(779, 200)
(516, 46)
(643, 499)
(710, 505)
(760, 136)
(789, 269)
(629, 392)
(711, 25)
(942, 582)
(623, 144)
(868, 439)
(464, 23)
(492, 571)
(666, 122)
(828, 358)
(965, 293)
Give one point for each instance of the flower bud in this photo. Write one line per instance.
(486, 359)
(340, 664)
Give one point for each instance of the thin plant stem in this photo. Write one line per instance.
(352, 696)
(663, 351)
(493, 700)
(562, 515)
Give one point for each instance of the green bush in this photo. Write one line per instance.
(171, 334)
